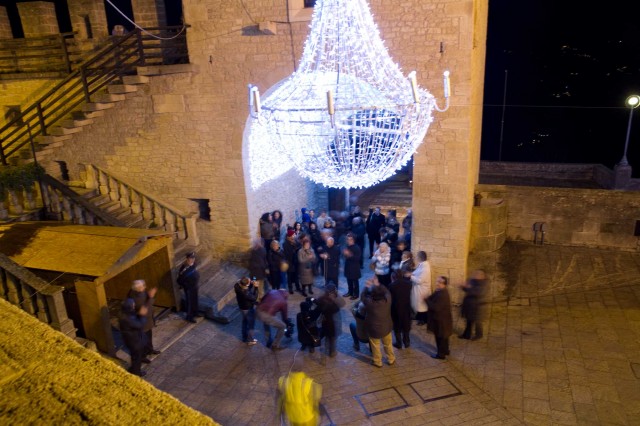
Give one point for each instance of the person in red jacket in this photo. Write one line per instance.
(273, 302)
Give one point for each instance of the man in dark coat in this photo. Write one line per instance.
(290, 249)
(143, 297)
(247, 296)
(400, 290)
(352, 273)
(258, 266)
(330, 304)
(131, 328)
(375, 222)
(188, 277)
(330, 257)
(277, 268)
(359, 229)
(439, 320)
(377, 320)
(473, 304)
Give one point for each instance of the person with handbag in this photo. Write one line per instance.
(307, 321)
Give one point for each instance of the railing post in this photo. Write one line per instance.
(65, 52)
(2, 156)
(140, 46)
(43, 125)
(85, 86)
(190, 229)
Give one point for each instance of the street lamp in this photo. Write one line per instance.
(632, 102)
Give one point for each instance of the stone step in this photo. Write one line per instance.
(116, 89)
(164, 69)
(135, 79)
(110, 206)
(51, 139)
(109, 97)
(81, 115)
(61, 131)
(97, 106)
(72, 123)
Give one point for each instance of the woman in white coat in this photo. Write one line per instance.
(421, 281)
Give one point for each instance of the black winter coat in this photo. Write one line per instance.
(352, 263)
(258, 263)
(246, 297)
(440, 320)
(400, 291)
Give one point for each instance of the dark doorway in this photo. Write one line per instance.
(115, 18)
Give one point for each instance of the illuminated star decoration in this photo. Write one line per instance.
(347, 117)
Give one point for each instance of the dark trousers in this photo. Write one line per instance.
(442, 344)
(356, 339)
(402, 329)
(373, 238)
(137, 353)
(331, 279)
(191, 299)
(292, 278)
(354, 287)
(148, 344)
(468, 329)
(385, 280)
(248, 323)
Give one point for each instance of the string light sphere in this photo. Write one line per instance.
(347, 117)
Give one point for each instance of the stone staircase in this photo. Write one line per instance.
(87, 113)
(393, 194)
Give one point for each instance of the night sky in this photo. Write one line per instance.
(570, 68)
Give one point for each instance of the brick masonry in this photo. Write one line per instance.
(38, 18)
(183, 136)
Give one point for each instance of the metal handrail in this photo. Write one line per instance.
(120, 57)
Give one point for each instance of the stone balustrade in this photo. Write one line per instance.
(34, 296)
(161, 214)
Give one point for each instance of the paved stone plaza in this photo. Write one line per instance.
(561, 346)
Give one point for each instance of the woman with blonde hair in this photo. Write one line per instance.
(381, 262)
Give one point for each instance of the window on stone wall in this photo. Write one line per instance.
(300, 10)
(204, 210)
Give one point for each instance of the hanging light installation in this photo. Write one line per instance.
(347, 117)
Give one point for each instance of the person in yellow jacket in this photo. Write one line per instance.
(299, 401)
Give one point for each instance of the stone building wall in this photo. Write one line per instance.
(22, 92)
(581, 217)
(5, 26)
(38, 18)
(184, 136)
(430, 37)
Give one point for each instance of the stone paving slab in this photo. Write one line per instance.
(560, 347)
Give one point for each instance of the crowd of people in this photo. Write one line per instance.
(288, 258)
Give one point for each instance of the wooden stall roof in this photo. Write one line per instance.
(78, 249)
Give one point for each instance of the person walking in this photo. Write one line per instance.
(299, 398)
(421, 280)
(188, 278)
(400, 290)
(352, 272)
(440, 320)
(247, 296)
(473, 304)
(274, 302)
(131, 327)
(377, 302)
(143, 297)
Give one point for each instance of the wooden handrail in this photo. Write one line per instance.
(120, 57)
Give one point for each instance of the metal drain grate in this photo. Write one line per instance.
(381, 401)
(435, 389)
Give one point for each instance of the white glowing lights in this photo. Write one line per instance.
(347, 117)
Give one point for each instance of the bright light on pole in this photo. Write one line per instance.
(632, 102)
